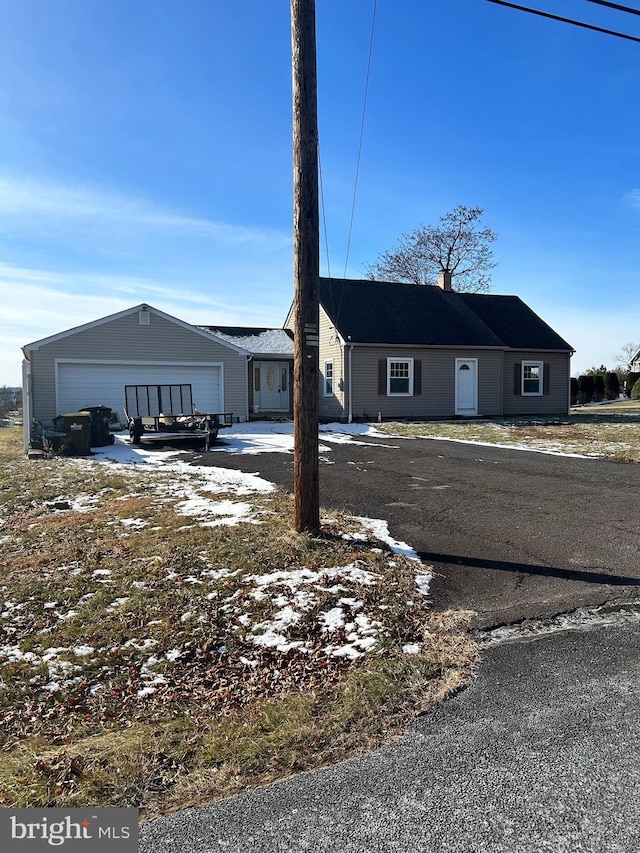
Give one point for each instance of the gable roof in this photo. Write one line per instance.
(517, 326)
(376, 312)
(35, 345)
(259, 341)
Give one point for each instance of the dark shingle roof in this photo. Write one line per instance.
(375, 312)
(514, 322)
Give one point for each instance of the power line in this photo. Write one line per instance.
(566, 20)
(324, 212)
(615, 6)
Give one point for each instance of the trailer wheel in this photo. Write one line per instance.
(211, 436)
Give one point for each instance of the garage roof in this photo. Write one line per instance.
(197, 330)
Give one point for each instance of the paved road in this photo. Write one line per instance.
(511, 534)
(541, 753)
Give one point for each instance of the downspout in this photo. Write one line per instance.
(350, 390)
(26, 403)
(248, 378)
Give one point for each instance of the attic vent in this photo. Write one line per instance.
(144, 317)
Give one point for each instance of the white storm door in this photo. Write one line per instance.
(466, 386)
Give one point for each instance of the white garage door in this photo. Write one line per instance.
(100, 384)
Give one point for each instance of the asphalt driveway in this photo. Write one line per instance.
(511, 534)
(541, 753)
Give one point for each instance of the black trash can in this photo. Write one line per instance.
(77, 428)
(100, 433)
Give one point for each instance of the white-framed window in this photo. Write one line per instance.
(328, 378)
(399, 377)
(532, 378)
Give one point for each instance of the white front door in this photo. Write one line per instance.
(466, 386)
(271, 386)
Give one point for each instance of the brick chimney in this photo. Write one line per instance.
(444, 280)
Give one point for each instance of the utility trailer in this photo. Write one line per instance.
(167, 413)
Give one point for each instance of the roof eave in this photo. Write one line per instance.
(85, 327)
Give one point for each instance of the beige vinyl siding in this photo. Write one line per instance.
(331, 349)
(124, 339)
(437, 397)
(555, 402)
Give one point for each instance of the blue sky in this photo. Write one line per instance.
(145, 156)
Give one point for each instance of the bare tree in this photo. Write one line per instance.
(457, 245)
(623, 359)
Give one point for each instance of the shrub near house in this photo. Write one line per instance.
(611, 385)
(630, 381)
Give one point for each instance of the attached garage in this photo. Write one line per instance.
(91, 364)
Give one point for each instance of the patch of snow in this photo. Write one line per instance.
(135, 523)
(332, 619)
(296, 577)
(116, 603)
(423, 582)
(213, 513)
(140, 646)
(269, 632)
(548, 449)
(380, 530)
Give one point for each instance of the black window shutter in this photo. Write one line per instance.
(546, 376)
(382, 377)
(517, 378)
(417, 377)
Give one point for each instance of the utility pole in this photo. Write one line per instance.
(306, 266)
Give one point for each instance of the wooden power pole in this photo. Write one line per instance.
(306, 266)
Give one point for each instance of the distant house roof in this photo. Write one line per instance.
(634, 358)
(258, 341)
(375, 312)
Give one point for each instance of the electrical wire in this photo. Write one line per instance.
(364, 109)
(566, 20)
(324, 212)
(616, 6)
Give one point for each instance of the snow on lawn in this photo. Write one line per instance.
(164, 475)
(169, 462)
(536, 446)
(338, 612)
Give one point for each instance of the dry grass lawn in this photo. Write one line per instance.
(610, 431)
(148, 659)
